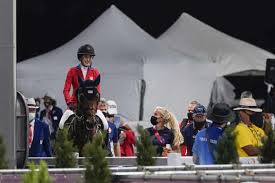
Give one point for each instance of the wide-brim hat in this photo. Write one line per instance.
(248, 104)
(31, 103)
(221, 113)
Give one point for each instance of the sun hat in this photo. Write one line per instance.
(221, 113)
(248, 104)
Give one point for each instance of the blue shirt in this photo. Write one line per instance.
(205, 143)
(112, 135)
(166, 137)
(117, 121)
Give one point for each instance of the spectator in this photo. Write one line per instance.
(113, 146)
(248, 136)
(165, 133)
(190, 131)
(187, 121)
(269, 111)
(51, 114)
(113, 114)
(84, 70)
(268, 120)
(37, 101)
(39, 134)
(127, 140)
(125, 133)
(103, 106)
(207, 139)
(190, 109)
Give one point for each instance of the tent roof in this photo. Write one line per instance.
(121, 47)
(193, 37)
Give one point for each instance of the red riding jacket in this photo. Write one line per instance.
(72, 79)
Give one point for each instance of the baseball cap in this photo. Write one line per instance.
(199, 110)
(112, 107)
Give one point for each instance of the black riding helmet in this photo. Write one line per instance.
(85, 50)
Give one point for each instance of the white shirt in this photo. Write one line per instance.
(84, 71)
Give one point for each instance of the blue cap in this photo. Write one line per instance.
(199, 110)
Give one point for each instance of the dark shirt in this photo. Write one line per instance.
(189, 134)
(166, 137)
(55, 115)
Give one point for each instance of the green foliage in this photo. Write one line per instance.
(64, 150)
(145, 149)
(226, 151)
(3, 162)
(267, 150)
(97, 170)
(37, 176)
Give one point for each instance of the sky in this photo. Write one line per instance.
(43, 25)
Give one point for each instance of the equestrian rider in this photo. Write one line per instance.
(84, 70)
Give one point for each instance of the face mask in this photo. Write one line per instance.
(31, 116)
(199, 125)
(105, 114)
(257, 119)
(153, 120)
(190, 116)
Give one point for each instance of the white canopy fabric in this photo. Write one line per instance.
(192, 37)
(125, 54)
(118, 47)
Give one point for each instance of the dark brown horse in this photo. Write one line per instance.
(84, 124)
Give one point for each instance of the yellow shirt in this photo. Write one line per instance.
(247, 136)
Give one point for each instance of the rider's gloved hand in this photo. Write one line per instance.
(71, 106)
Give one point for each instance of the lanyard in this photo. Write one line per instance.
(161, 140)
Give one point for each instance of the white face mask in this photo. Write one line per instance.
(31, 116)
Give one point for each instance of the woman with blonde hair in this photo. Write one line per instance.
(165, 133)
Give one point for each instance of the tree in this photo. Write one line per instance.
(226, 151)
(267, 150)
(37, 176)
(145, 149)
(64, 150)
(97, 169)
(3, 161)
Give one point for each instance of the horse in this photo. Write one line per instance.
(86, 121)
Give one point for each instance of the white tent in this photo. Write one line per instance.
(122, 51)
(229, 55)
(117, 47)
(192, 37)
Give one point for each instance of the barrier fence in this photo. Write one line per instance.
(125, 170)
(131, 161)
